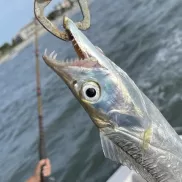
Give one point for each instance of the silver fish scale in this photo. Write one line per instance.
(146, 160)
(149, 166)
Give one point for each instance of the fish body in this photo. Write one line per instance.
(133, 132)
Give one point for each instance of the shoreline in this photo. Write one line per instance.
(15, 51)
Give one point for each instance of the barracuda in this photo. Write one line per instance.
(133, 132)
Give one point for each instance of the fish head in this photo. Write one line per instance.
(96, 83)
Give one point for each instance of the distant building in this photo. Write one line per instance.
(58, 7)
(26, 32)
(63, 5)
(17, 39)
(66, 4)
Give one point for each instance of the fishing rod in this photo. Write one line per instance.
(42, 149)
(39, 6)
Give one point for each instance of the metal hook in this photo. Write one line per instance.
(39, 6)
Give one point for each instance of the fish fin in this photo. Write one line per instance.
(113, 152)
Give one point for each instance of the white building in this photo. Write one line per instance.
(63, 5)
(26, 32)
(66, 4)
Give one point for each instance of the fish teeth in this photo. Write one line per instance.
(52, 54)
(45, 52)
(70, 61)
(55, 56)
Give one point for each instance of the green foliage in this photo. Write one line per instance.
(52, 15)
(5, 47)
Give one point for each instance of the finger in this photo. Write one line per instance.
(39, 167)
(48, 164)
(46, 171)
(46, 168)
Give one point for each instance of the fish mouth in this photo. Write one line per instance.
(84, 59)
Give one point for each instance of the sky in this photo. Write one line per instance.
(15, 14)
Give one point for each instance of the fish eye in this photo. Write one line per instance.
(91, 91)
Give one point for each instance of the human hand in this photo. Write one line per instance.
(43, 165)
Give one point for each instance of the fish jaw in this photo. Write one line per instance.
(67, 69)
(84, 47)
(88, 54)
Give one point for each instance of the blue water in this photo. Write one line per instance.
(143, 37)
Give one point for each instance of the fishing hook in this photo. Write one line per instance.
(39, 6)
